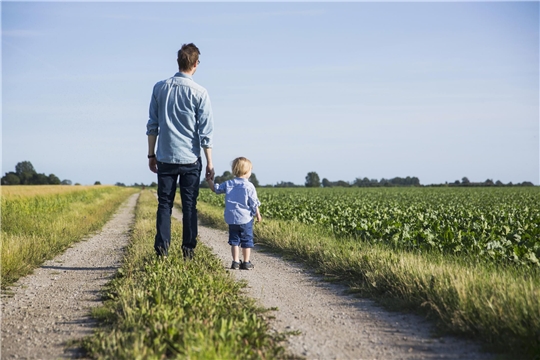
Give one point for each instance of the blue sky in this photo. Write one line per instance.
(434, 90)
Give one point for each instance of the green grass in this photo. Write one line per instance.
(499, 306)
(158, 309)
(35, 228)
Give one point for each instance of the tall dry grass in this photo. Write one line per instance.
(43, 221)
(12, 191)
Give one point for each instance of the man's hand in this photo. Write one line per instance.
(209, 172)
(209, 167)
(152, 164)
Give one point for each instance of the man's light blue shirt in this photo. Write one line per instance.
(241, 200)
(181, 117)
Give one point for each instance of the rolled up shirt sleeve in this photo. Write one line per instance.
(253, 202)
(206, 121)
(219, 189)
(152, 127)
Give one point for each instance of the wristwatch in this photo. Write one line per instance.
(151, 156)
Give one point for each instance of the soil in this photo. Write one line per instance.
(50, 308)
(331, 323)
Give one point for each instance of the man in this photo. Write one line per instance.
(182, 123)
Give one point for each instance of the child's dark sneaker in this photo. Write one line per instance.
(246, 266)
(235, 265)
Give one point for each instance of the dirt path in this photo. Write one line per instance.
(51, 306)
(333, 325)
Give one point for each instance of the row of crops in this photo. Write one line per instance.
(498, 224)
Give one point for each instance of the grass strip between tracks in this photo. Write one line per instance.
(498, 306)
(173, 308)
(40, 222)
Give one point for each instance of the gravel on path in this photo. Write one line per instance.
(51, 307)
(334, 325)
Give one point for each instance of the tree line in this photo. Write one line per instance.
(489, 182)
(25, 174)
(313, 180)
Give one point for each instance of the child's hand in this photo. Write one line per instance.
(259, 217)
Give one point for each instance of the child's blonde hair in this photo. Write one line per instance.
(241, 166)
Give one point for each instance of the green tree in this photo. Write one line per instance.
(227, 175)
(285, 184)
(38, 179)
(25, 171)
(66, 182)
(253, 180)
(326, 183)
(11, 179)
(53, 179)
(312, 179)
(97, 183)
(204, 184)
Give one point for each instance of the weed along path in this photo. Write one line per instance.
(329, 324)
(51, 307)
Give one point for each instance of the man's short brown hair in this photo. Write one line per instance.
(188, 56)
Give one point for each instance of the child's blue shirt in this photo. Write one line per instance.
(241, 200)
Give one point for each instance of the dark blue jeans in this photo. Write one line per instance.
(187, 176)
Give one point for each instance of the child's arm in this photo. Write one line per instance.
(254, 203)
(211, 184)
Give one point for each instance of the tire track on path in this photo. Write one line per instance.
(51, 306)
(334, 325)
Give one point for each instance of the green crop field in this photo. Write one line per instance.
(498, 224)
(467, 257)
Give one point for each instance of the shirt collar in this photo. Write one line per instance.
(181, 74)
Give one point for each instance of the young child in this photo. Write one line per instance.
(241, 204)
